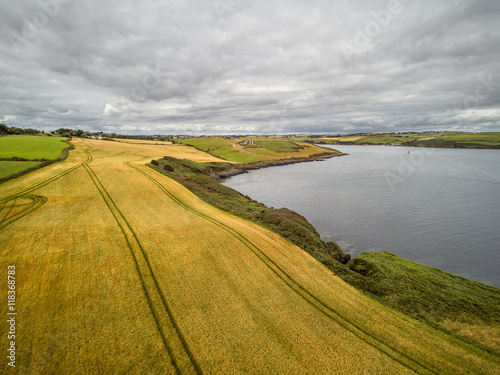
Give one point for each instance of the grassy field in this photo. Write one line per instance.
(120, 269)
(434, 139)
(261, 149)
(22, 153)
(8, 168)
(31, 147)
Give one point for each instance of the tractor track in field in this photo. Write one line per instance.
(37, 201)
(148, 279)
(7, 212)
(392, 352)
(182, 360)
(41, 184)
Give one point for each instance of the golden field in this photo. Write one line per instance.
(121, 270)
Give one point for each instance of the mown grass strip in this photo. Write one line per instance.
(150, 285)
(321, 306)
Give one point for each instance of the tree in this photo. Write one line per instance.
(63, 131)
(15, 130)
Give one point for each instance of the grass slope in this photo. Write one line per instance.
(120, 269)
(463, 306)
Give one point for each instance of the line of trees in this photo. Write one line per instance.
(4, 129)
(67, 132)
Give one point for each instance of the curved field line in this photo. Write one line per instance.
(7, 213)
(321, 306)
(40, 184)
(147, 276)
(47, 181)
(37, 201)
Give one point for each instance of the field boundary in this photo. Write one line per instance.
(43, 162)
(37, 200)
(43, 183)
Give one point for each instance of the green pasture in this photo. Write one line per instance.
(10, 167)
(31, 146)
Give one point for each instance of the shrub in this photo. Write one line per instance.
(154, 162)
(168, 168)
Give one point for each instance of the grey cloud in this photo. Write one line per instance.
(254, 66)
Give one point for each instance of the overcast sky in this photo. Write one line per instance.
(250, 66)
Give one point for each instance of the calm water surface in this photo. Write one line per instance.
(439, 207)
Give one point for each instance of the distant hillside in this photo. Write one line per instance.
(427, 139)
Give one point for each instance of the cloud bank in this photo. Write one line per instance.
(243, 67)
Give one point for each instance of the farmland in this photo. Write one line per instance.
(8, 168)
(23, 153)
(255, 149)
(31, 147)
(120, 269)
(430, 139)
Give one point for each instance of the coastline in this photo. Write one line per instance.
(244, 168)
(438, 298)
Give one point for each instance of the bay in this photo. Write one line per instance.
(439, 207)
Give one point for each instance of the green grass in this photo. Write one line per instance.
(238, 156)
(8, 168)
(222, 148)
(482, 137)
(208, 143)
(280, 145)
(379, 140)
(431, 294)
(426, 290)
(31, 147)
(23, 154)
(263, 149)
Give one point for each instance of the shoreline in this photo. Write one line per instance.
(422, 292)
(221, 177)
(244, 168)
